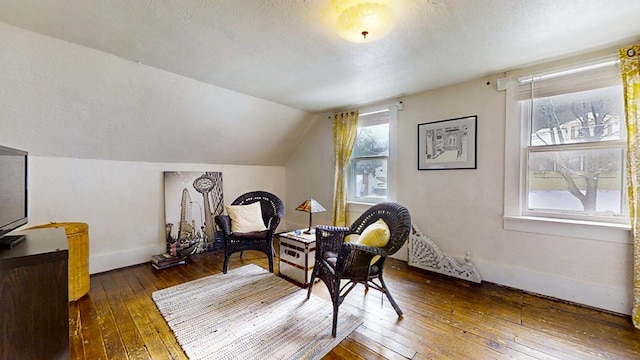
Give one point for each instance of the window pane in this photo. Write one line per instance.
(372, 141)
(586, 182)
(586, 116)
(370, 178)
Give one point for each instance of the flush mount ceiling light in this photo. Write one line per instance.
(365, 22)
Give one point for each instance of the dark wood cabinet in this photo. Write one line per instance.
(34, 305)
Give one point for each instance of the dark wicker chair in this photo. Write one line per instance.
(337, 260)
(272, 212)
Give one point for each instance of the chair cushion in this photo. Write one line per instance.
(373, 270)
(352, 238)
(376, 235)
(246, 218)
(252, 235)
(331, 257)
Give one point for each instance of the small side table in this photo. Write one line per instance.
(297, 256)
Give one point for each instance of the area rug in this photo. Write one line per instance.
(250, 313)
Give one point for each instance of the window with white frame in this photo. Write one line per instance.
(367, 172)
(572, 144)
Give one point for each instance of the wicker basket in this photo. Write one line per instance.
(78, 240)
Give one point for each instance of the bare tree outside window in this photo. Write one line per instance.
(576, 149)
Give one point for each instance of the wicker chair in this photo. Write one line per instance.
(337, 260)
(272, 212)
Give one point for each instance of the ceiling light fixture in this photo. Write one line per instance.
(365, 22)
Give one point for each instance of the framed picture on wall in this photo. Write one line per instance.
(447, 144)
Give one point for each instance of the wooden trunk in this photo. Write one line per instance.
(297, 256)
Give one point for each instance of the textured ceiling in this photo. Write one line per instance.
(287, 51)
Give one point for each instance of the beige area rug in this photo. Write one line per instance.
(250, 313)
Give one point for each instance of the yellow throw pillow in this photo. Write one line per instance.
(377, 235)
(352, 238)
(246, 218)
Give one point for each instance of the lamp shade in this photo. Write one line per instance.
(365, 22)
(311, 206)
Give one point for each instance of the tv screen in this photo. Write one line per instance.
(13, 189)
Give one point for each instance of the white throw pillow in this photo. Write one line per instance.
(246, 218)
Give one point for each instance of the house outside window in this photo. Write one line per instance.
(565, 146)
(368, 168)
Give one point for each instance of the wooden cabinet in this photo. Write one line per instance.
(34, 309)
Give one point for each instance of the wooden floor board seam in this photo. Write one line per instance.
(443, 318)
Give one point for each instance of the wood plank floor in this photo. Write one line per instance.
(444, 318)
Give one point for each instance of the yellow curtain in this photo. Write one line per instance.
(345, 127)
(630, 66)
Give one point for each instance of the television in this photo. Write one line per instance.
(13, 194)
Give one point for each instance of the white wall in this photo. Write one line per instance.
(64, 100)
(462, 210)
(123, 201)
(101, 130)
(309, 173)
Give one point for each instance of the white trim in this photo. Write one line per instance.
(374, 112)
(567, 66)
(599, 296)
(358, 207)
(515, 218)
(392, 159)
(554, 74)
(392, 151)
(590, 230)
(123, 258)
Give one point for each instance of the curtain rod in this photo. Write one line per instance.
(369, 113)
(375, 112)
(531, 78)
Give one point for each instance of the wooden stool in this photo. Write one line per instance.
(78, 240)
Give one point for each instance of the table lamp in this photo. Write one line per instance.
(311, 206)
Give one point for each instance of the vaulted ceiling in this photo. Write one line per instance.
(288, 52)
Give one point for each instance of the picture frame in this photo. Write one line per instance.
(448, 144)
(192, 199)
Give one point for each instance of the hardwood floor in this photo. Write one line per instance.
(444, 318)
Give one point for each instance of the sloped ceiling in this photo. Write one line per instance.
(288, 52)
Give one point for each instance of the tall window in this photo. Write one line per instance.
(573, 144)
(367, 172)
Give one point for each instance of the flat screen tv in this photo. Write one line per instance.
(13, 193)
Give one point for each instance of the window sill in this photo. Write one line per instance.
(358, 206)
(599, 231)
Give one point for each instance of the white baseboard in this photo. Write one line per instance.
(114, 260)
(599, 296)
